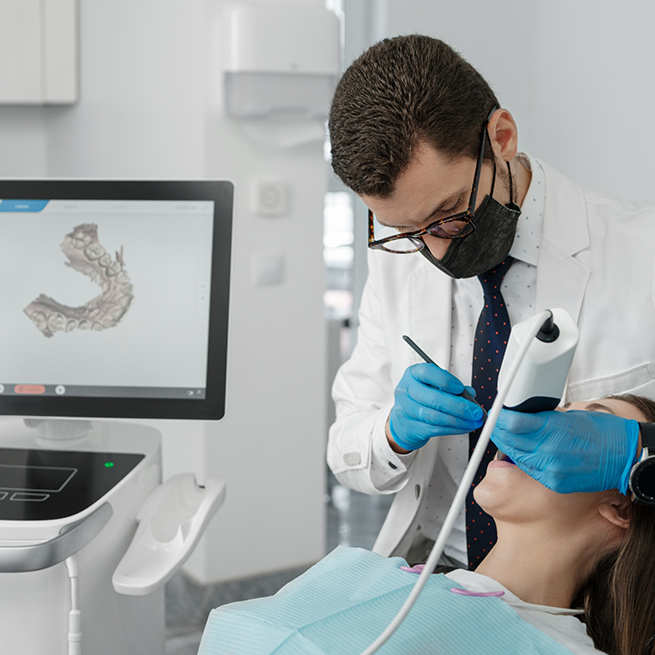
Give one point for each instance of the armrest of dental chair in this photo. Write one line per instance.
(171, 522)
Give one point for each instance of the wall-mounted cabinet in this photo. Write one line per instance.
(39, 51)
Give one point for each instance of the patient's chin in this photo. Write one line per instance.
(509, 493)
(491, 495)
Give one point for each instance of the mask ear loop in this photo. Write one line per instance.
(511, 186)
(493, 159)
(509, 170)
(493, 182)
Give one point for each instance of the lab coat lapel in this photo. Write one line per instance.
(430, 308)
(562, 279)
(431, 320)
(429, 324)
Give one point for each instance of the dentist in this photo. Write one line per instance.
(420, 137)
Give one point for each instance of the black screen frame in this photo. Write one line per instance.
(212, 406)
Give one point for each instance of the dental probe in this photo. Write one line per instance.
(427, 360)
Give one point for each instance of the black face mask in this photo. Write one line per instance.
(480, 251)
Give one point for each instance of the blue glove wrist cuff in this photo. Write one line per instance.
(633, 455)
(400, 441)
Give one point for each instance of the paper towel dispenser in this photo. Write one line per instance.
(279, 58)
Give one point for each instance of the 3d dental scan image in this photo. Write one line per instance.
(86, 254)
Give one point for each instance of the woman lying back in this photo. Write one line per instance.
(555, 553)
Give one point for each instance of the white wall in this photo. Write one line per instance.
(143, 78)
(149, 107)
(22, 142)
(593, 105)
(576, 75)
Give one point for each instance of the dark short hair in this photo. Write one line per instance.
(398, 92)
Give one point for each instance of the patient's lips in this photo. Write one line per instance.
(501, 461)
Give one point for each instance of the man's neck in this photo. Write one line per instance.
(522, 177)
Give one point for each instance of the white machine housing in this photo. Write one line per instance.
(121, 574)
(88, 534)
(542, 375)
(111, 623)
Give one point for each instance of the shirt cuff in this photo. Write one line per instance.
(388, 468)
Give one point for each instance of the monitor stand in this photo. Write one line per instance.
(60, 430)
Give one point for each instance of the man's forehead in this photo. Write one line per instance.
(430, 184)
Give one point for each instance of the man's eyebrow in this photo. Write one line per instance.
(446, 202)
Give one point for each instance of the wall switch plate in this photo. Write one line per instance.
(270, 197)
(267, 270)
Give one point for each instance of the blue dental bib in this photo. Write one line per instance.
(340, 605)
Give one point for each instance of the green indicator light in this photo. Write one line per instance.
(109, 464)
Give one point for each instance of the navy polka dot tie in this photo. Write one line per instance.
(491, 336)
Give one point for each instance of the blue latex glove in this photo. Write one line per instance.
(570, 451)
(427, 404)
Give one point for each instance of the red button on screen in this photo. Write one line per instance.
(29, 388)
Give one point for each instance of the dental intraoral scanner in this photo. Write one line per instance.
(114, 306)
(532, 378)
(541, 377)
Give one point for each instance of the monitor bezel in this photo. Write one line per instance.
(212, 406)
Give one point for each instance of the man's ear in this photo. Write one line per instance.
(503, 134)
(615, 508)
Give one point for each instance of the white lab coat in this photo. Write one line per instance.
(596, 260)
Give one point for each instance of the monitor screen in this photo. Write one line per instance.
(114, 298)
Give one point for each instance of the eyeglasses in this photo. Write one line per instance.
(452, 227)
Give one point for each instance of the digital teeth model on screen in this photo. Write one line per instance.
(87, 255)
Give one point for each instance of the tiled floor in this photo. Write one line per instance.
(353, 519)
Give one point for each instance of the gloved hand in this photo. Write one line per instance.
(570, 451)
(427, 404)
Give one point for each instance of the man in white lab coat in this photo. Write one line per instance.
(409, 121)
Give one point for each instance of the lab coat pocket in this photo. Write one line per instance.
(639, 380)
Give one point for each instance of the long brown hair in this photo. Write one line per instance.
(619, 597)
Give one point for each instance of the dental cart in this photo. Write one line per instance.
(88, 534)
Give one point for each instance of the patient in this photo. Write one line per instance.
(592, 551)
